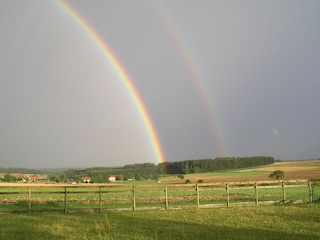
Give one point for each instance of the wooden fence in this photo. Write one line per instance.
(106, 197)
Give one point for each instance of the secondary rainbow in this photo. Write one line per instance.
(198, 79)
(102, 45)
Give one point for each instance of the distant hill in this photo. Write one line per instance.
(33, 171)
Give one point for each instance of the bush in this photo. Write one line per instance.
(181, 176)
(187, 181)
(277, 174)
(200, 181)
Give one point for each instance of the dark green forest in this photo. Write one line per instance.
(214, 165)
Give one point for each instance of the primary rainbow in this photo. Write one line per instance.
(102, 45)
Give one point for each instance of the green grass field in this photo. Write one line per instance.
(300, 221)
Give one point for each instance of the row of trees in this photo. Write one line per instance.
(51, 177)
(213, 165)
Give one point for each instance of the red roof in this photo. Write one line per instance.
(34, 177)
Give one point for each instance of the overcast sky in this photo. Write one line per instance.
(219, 78)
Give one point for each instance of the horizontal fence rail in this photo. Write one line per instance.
(107, 197)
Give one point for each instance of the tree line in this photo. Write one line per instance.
(22, 170)
(214, 165)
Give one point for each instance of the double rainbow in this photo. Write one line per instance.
(110, 56)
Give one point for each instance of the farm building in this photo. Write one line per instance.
(86, 179)
(34, 178)
(112, 178)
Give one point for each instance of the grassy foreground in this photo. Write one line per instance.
(300, 221)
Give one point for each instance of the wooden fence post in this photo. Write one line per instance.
(166, 192)
(65, 199)
(283, 193)
(134, 198)
(256, 193)
(100, 204)
(228, 197)
(29, 199)
(310, 191)
(198, 196)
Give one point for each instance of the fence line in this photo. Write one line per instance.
(157, 196)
